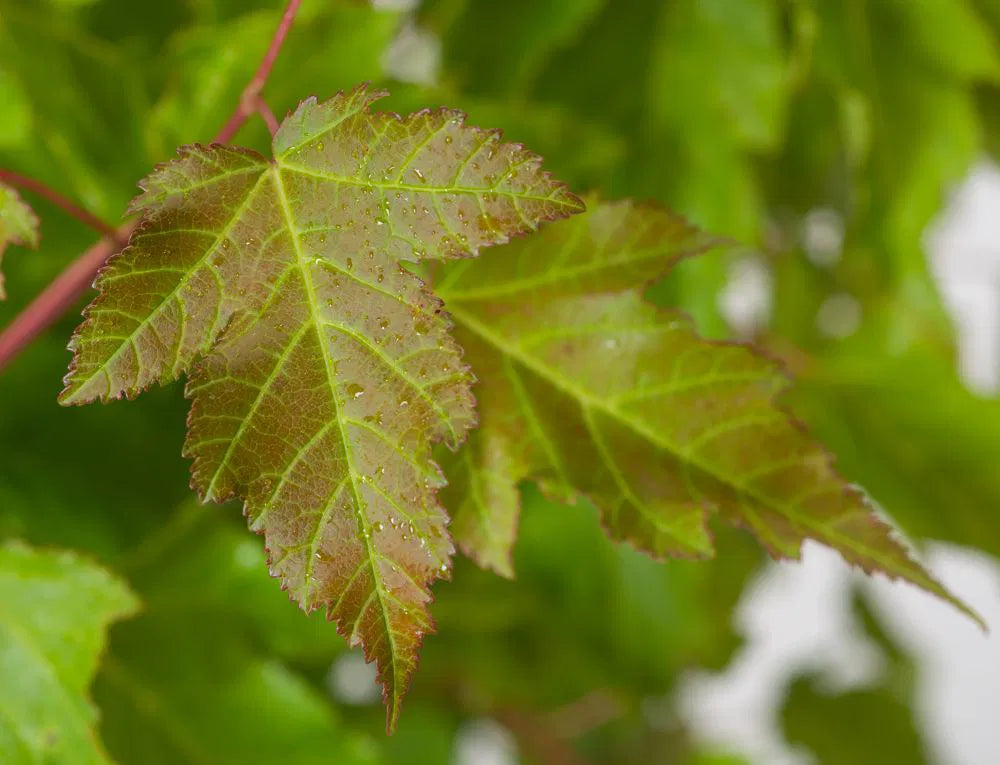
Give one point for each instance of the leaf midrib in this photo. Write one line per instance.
(355, 489)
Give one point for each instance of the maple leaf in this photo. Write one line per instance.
(589, 389)
(325, 370)
(18, 224)
(56, 610)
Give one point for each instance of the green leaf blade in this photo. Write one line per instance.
(56, 609)
(622, 402)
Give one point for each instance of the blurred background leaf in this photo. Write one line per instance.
(56, 610)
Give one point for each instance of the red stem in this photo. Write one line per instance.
(67, 288)
(249, 98)
(84, 216)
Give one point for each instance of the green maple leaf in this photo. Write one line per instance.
(18, 224)
(321, 370)
(591, 390)
(56, 608)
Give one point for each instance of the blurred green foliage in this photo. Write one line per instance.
(746, 116)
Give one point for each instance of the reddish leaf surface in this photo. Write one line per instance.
(321, 370)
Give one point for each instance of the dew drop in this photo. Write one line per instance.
(380, 275)
(322, 238)
(447, 139)
(355, 391)
(403, 403)
(381, 221)
(349, 264)
(320, 146)
(420, 175)
(383, 323)
(378, 526)
(420, 327)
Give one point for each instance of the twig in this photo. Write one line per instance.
(67, 288)
(84, 216)
(251, 93)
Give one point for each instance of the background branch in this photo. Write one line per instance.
(60, 295)
(84, 216)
